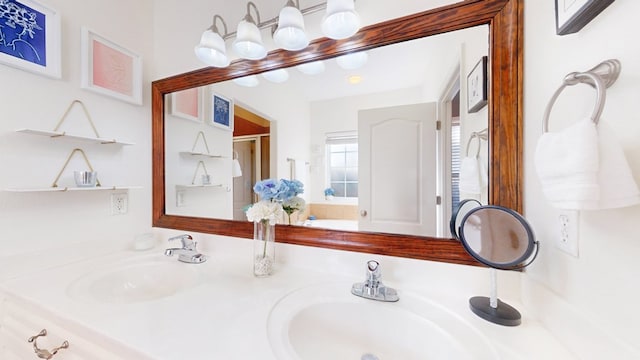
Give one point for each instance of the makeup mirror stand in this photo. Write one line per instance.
(491, 308)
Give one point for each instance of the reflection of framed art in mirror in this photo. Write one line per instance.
(221, 112)
(477, 86)
(186, 104)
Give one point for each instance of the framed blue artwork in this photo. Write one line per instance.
(30, 37)
(222, 112)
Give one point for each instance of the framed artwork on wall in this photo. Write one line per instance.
(221, 112)
(30, 37)
(109, 69)
(477, 86)
(573, 15)
(187, 104)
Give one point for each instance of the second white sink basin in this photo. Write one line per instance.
(135, 280)
(327, 322)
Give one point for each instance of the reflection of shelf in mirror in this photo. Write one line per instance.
(61, 134)
(191, 153)
(182, 187)
(61, 189)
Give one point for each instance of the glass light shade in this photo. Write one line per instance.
(211, 50)
(277, 76)
(352, 61)
(247, 81)
(290, 33)
(341, 20)
(236, 170)
(312, 68)
(248, 43)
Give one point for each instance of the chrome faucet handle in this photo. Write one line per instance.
(372, 288)
(186, 240)
(373, 273)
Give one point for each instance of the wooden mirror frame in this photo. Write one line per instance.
(505, 20)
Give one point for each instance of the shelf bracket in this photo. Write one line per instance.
(86, 160)
(204, 139)
(86, 112)
(193, 181)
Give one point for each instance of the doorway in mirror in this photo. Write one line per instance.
(251, 146)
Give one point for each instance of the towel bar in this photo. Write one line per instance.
(480, 135)
(600, 77)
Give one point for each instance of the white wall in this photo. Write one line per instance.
(32, 221)
(591, 302)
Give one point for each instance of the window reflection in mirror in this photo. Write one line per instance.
(303, 113)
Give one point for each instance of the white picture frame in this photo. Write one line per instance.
(187, 104)
(110, 69)
(33, 44)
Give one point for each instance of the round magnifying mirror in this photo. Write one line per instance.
(497, 237)
(456, 219)
(502, 239)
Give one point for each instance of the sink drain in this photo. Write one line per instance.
(369, 357)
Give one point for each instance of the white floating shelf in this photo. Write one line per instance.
(190, 153)
(64, 188)
(182, 187)
(61, 134)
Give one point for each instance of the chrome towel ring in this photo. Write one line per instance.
(480, 135)
(600, 77)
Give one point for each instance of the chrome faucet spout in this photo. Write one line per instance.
(188, 252)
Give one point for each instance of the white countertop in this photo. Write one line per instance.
(224, 315)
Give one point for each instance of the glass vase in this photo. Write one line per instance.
(264, 248)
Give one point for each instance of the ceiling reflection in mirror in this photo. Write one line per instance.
(308, 126)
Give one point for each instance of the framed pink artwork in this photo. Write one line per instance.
(110, 69)
(186, 104)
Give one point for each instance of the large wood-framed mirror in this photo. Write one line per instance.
(504, 19)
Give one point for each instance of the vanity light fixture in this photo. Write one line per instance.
(212, 50)
(290, 34)
(340, 22)
(247, 81)
(276, 76)
(248, 43)
(353, 61)
(312, 68)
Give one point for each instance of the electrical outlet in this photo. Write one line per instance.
(119, 203)
(567, 236)
(179, 198)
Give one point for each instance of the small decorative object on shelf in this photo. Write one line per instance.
(329, 193)
(276, 198)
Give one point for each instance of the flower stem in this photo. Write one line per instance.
(266, 237)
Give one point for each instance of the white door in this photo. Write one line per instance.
(397, 169)
(243, 185)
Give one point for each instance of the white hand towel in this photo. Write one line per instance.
(473, 177)
(567, 163)
(617, 186)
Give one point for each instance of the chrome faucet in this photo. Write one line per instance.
(187, 253)
(372, 288)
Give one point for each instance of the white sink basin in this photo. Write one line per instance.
(134, 280)
(327, 322)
